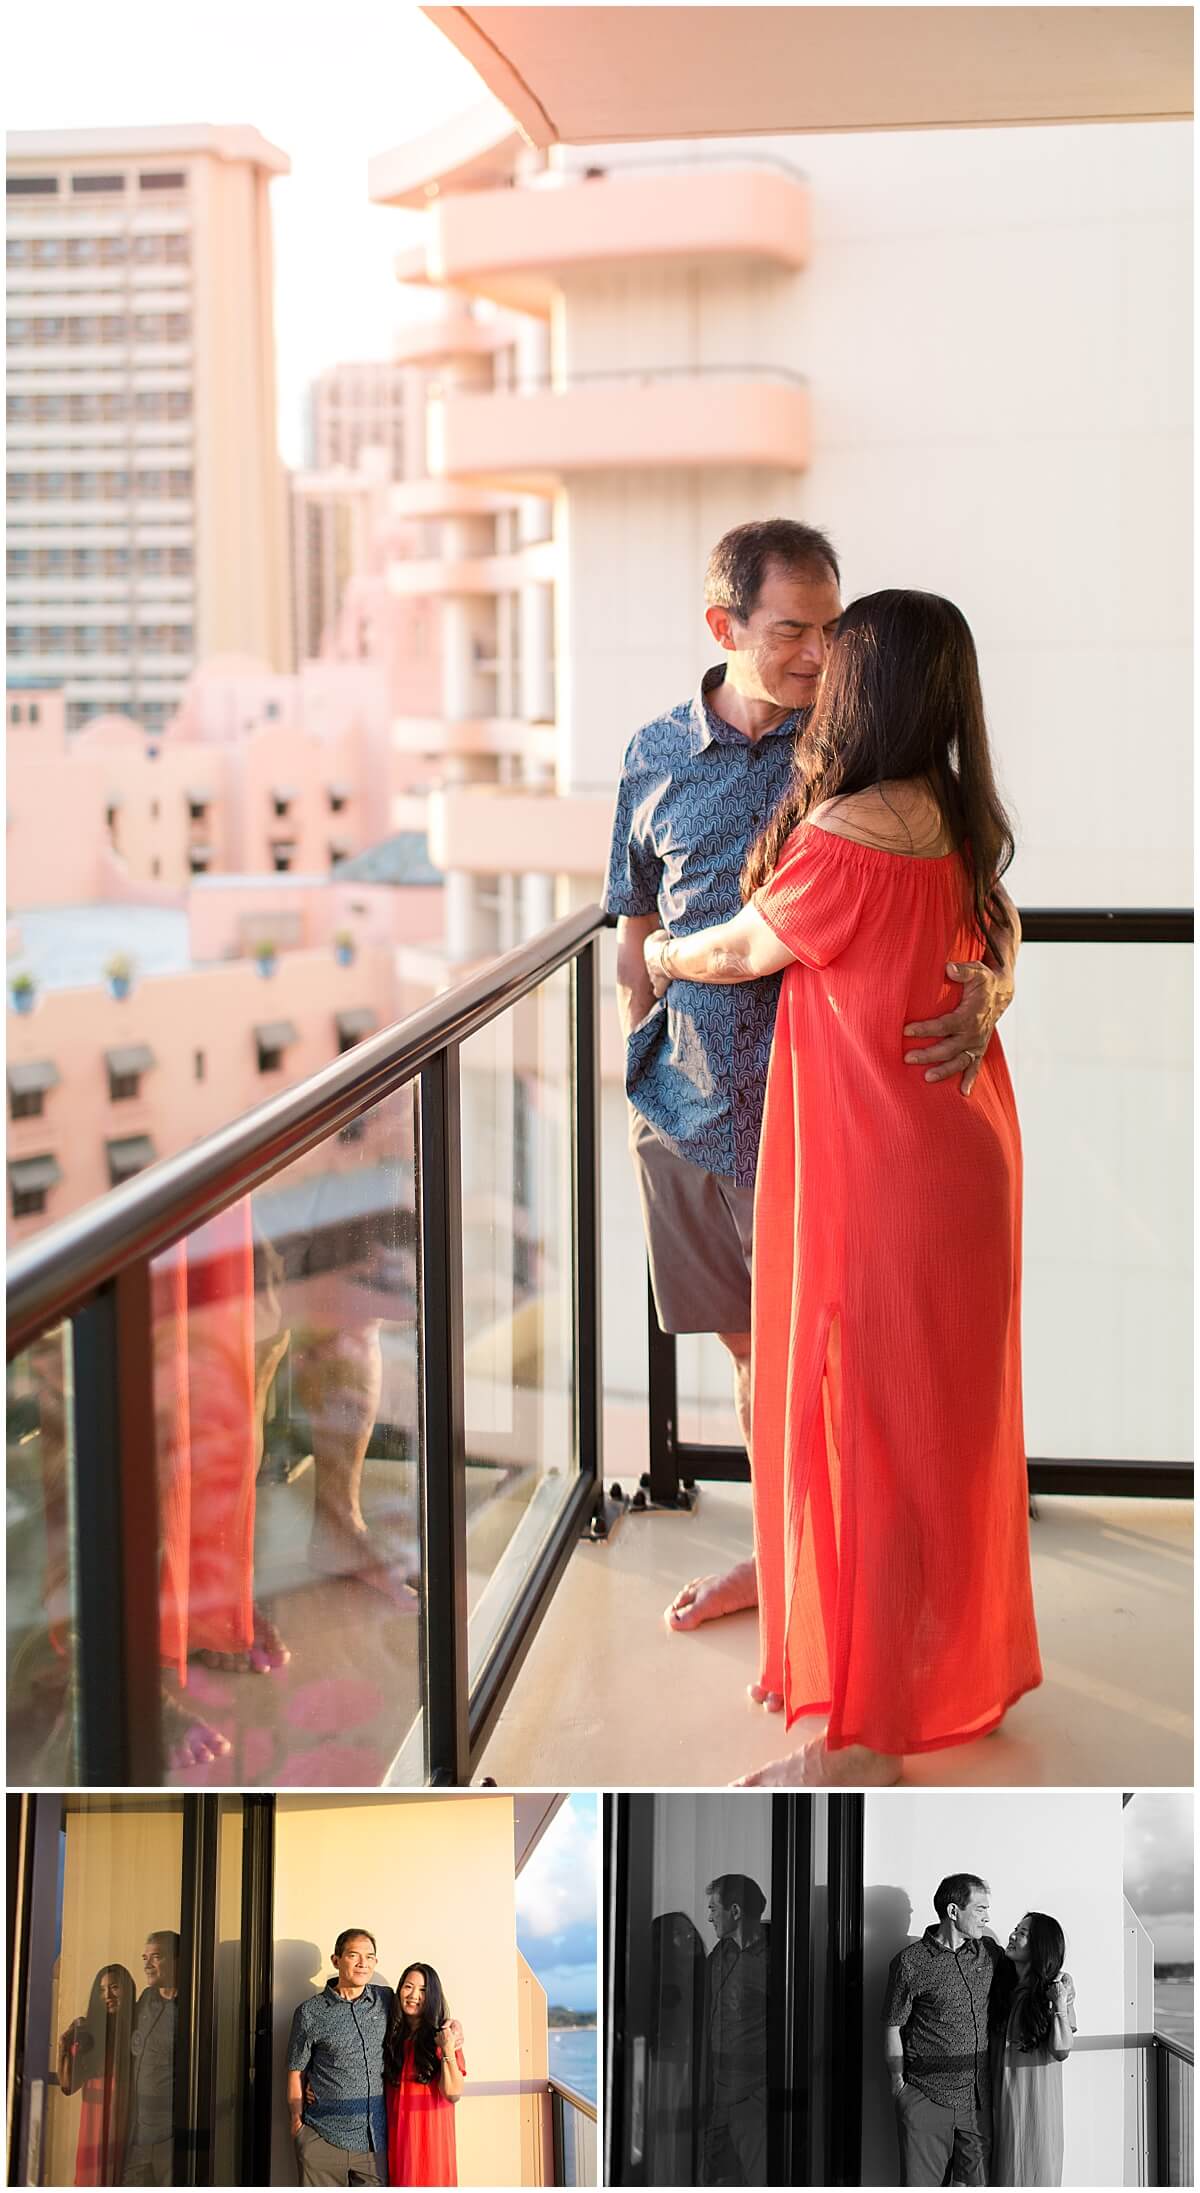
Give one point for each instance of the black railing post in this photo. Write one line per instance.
(663, 1405)
(115, 1531)
(444, 1654)
(558, 2139)
(195, 2055)
(589, 1384)
(845, 1997)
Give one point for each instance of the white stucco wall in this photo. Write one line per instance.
(1054, 1851)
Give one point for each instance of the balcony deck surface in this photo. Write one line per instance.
(608, 1695)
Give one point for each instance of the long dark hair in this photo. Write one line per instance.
(426, 2062)
(900, 698)
(1035, 2020)
(110, 2036)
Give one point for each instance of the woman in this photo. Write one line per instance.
(890, 1529)
(424, 2072)
(1032, 2022)
(673, 2045)
(94, 2059)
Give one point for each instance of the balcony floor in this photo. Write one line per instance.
(608, 1695)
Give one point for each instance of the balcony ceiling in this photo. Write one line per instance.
(580, 75)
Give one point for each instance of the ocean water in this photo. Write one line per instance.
(573, 2058)
(1174, 2010)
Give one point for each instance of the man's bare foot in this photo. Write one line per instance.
(190, 1742)
(769, 1700)
(813, 1767)
(347, 1549)
(707, 1597)
(267, 1652)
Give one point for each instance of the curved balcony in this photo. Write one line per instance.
(473, 574)
(444, 499)
(492, 830)
(515, 245)
(603, 422)
(438, 736)
(453, 334)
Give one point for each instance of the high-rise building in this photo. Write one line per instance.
(147, 510)
(333, 516)
(354, 407)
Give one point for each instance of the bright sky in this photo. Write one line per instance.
(329, 85)
(1159, 1845)
(556, 1905)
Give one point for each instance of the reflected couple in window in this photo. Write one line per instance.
(707, 2042)
(119, 2057)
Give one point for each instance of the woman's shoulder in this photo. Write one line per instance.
(899, 816)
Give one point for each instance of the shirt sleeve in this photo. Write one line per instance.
(299, 2052)
(814, 900)
(631, 885)
(898, 1995)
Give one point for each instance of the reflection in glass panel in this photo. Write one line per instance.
(697, 1992)
(229, 2086)
(704, 1390)
(40, 1600)
(110, 2096)
(518, 1315)
(286, 1361)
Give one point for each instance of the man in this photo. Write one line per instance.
(150, 2153)
(733, 2091)
(335, 2071)
(697, 787)
(935, 2043)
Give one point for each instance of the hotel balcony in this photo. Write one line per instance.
(453, 333)
(503, 574)
(488, 735)
(607, 422)
(492, 830)
(404, 1267)
(516, 246)
(438, 498)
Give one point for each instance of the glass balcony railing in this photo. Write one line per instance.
(573, 2136)
(304, 1422)
(339, 1361)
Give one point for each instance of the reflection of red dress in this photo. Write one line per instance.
(103, 2126)
(421, 2129)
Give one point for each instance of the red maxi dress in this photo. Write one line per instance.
(420, 2123)
(890, 1506)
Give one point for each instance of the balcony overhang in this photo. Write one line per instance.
(514, 245)
(448, 335)
(489, 830)
(530, 443)
(586, 76)
(416, 499)
(473, 149)
(439, 736)
(473, 574)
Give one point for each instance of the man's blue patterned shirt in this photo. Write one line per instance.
(338, 2042)
(693, 797)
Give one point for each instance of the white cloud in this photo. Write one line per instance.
(556, 1891)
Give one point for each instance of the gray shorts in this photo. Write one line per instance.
(318, 2163)
(699, 1236)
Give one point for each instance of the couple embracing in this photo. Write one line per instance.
(373, 2074)
(814, 946)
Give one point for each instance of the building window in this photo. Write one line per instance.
(162, 179)
(26, 1103)
(32, 186)
(156, 868)
(30, 1180)
(121, 1087)
(34, 712)
(282, 853)
(85, 186)
(28, 1202)
(198, 1065)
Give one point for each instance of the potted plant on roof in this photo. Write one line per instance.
(23, 991)
(266, 953)
(119, 973)
(343, 947)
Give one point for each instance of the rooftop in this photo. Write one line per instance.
(66, 947)
(403, 859)
(224, 141)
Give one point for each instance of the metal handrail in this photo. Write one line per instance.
(577, 2101)
(60, 1269)
(531, 382)
(1173, 2048)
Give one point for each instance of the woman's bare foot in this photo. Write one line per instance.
(188, 1741)
(707, 1597)
(814, 1767)
(267, 1652)
(769, 1700)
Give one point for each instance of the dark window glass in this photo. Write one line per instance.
(90, 186)
(25, 1103)
(32, 186)
(166, 179)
